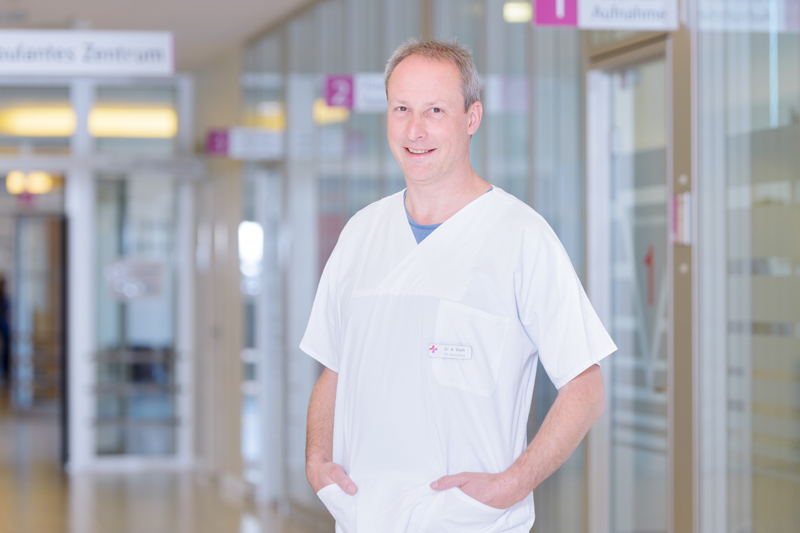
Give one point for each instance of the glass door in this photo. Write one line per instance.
(628, 231)
(136, 359)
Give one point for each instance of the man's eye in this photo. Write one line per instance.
(436, 110)
(402, 108)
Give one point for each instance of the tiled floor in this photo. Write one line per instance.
(36, 496)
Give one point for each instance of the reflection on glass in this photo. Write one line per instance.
(638, 298)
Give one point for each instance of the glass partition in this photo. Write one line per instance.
(749, 134)
(558, 197)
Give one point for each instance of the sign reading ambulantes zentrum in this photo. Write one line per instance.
(631, 15)
(86, 53)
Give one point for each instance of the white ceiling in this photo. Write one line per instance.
(203, 28)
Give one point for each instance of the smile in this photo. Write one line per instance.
(420, 151)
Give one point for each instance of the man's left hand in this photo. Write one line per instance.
(500, 491)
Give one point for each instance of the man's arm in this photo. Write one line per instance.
(320, 469)
(578, 406)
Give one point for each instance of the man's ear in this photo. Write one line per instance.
(475, 113)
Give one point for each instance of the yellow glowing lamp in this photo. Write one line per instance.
(39, 183)
(517, 12)
(37, 121)
(129, 122)
(15, 182)
(325, 114)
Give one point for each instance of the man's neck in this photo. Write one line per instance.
(433, 203)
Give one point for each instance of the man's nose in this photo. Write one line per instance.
(416, 127)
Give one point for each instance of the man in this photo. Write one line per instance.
(430, 316)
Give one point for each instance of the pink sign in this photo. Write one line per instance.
(556, 13)
(339, 91)
(217, 142)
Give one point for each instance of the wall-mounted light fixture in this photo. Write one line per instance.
(132, 122)
(125, 122)
(37, 121)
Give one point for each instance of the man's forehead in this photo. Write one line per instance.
(440, 64)
(408, 77)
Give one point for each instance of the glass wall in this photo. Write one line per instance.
(749, 134)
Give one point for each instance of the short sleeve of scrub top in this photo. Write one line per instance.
(555, 311)
(321, 340)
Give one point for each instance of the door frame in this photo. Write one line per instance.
(682, 416)
(80, 167)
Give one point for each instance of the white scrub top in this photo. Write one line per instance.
(436, 346)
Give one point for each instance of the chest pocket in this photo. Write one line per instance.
(485, 334)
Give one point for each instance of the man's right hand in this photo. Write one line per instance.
(329, 473)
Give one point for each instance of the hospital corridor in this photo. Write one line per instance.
(181, 181)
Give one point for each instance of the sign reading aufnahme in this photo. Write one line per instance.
(86, 53)
(634, 15)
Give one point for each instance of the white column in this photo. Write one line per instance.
(79, 206)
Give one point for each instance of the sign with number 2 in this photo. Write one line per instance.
(339, 91)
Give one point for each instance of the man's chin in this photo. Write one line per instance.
(418, 179)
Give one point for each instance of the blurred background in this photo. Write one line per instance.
(177, 173)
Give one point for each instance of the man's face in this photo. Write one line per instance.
(428, 129)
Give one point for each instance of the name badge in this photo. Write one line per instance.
(449, 352)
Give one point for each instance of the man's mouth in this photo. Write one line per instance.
(418, 152)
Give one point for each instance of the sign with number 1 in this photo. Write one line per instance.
(557, 12)
(634, 15)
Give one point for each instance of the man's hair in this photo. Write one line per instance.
(458, 54)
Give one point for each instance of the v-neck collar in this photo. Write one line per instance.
(406, 216)
(438, 266)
